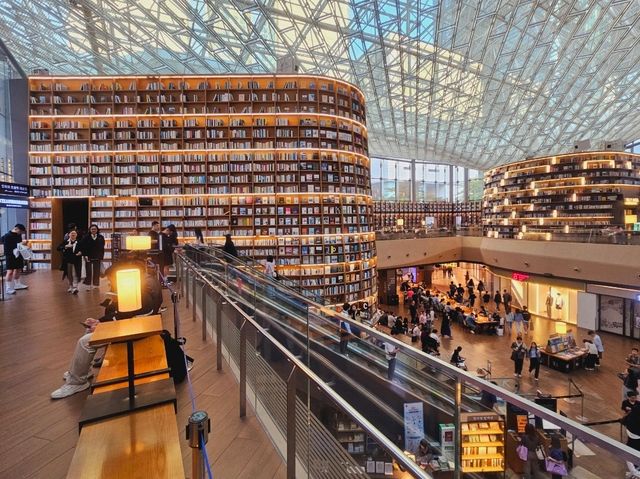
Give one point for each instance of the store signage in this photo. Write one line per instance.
(519, 276)
(13, 202)
(522, 420)
(13, 189)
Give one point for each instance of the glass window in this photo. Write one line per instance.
(376, 168)
(388, 189)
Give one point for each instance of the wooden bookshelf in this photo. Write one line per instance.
(482, 442)
(279, 161)
(563, 194)
(413, 214)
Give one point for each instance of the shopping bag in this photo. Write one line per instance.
(83, 272)
(555, 467)
(523, 452)
(540, 453)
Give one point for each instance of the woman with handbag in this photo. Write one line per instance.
(531, 442)
(518, 351)
(556, 461)
(71, 261)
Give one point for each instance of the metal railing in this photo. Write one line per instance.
(309, 331)
(595, 236)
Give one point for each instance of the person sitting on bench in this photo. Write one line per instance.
(76, 379)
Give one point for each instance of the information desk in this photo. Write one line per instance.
(142, 444)
(565, 361)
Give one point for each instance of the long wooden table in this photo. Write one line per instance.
(143, 444)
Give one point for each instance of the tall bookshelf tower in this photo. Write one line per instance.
(279, 161)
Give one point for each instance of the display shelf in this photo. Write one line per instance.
(483, 442)
(437, 214)
(269, 159)
(563, 194)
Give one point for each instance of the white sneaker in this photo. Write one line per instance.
(67, 375)
(75, 291)
(19, 285)
(69, 390)
(11, 291)
(70, 289)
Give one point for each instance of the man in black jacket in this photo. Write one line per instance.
(92, 247)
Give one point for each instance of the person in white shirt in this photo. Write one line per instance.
(415, 333)
(391, 350)
(270, 267)
(597, 341)
(592, 355)
(345, 329)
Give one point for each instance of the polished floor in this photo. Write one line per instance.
(601, 389)
(38, 331)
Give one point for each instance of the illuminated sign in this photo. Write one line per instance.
(13, 189)
(519, 276)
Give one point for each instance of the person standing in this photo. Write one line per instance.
(199, 236)
(480, 287)
(270, 268)
(497, 298)
(446, 326)
(534, 359)
(154, 232)
(526, 319)
(531, 441)
(597, 341)
(508, 321)
(14, 264)
(518, 352)
(557, 455)
(345, 329)
(391, 350)
(168, 241)
(229, 247)
(92, 247)
(592, 355)
(472, 298)
(71, 261)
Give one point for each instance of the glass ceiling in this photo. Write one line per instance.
(475, 83)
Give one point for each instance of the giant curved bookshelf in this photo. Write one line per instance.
(279, 161)
(576, 193)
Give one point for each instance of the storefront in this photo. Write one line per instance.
(618, 310)
(551, 298)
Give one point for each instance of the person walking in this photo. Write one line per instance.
(480, 288)
(526, 320)
(14, 263)
(71, 261)
(508, 322)
(168, 243)
(531, 441)
(534, 359)
(497, 298)
(506, 300)
(597, 341)
(518, 319)
(92, 247)
(518, 352)
(446, 326)
(345, 329)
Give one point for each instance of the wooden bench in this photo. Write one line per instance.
(137, 444)
(142, 444)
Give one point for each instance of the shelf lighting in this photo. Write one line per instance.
(524, 228)
(547, 236)
(129, 287)
(554, 213)
(574, 197)
(566, 229)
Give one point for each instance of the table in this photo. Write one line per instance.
(565, 361)
(123, 400)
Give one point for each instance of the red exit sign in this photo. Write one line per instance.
(519, 276)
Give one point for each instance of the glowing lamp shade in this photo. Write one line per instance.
(129, 290)
(561, 328)
(138, 242)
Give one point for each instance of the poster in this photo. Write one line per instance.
(611, 318)
(413, 425)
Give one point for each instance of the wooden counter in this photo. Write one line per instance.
(143, 444)
(564, 362)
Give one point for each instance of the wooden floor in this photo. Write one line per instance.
(602, 389)
(38, 332)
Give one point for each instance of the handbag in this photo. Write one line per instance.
(540, 454)
(554, 467)
(523, 452)
(514, 356)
